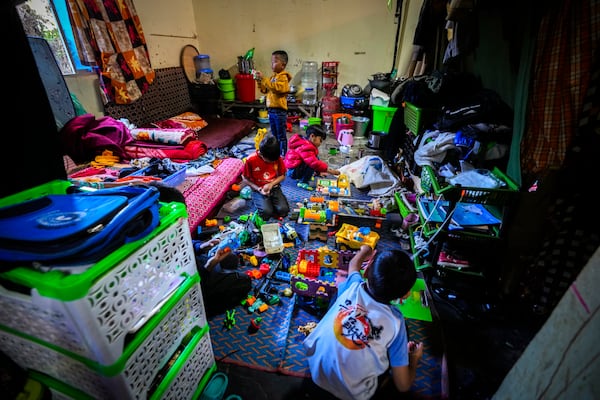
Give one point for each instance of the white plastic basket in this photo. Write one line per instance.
(95, 326)
(132, 376)
(189, 375)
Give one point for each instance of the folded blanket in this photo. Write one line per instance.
(163, 135)
(192, 150)
(186, 120)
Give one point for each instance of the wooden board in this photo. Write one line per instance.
(187, 62)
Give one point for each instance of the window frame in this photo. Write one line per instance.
(62, 23)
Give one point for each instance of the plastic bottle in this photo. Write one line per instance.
(309, 97)
(249, 54)
(310, 71)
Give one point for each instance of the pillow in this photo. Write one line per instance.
(164, 135)
(184, 120)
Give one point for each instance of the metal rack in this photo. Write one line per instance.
(329, 77)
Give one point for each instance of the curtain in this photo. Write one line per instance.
(109, 37)
(567, 41)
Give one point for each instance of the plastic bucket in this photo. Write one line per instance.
(360, 125)
(228, 95)
(376, 140)
(382, 118)
(245, 88)
(226, 85)
(337, 125)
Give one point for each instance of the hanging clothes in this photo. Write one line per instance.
(567, 41)
(109, 37)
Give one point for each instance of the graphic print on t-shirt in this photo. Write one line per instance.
(353, 328)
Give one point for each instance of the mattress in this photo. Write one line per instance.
(204, 194)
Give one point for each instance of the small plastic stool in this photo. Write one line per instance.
(216, 387)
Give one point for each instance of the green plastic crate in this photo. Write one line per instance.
(57, 388)
(180, 317)
(189, 375)
(402, 207)
(496, 197)
(382, 118)
(416, 118)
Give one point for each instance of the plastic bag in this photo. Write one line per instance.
(480, 178)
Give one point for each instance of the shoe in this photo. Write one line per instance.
(410, 201)
(418, 239)
(450, 259)
(410, 220)
(305, 186)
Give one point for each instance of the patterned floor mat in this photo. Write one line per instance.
(277, 345)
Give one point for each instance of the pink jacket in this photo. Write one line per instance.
(301, 150)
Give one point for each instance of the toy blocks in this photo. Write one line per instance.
(315, 271)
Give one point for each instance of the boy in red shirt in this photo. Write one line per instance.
(263, 172)
(302, 159)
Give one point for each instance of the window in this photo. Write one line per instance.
(49, 19)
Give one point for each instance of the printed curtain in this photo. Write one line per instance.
(567, 42)
(109, 37)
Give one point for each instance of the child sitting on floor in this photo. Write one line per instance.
(264, 171)
(302, 158)
(361, 343)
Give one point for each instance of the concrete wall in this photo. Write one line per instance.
(360, 34)
(563, 359)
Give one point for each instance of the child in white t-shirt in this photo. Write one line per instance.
(362, 339)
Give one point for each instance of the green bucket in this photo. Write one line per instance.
(225, 85)
(228, 95)
(314, 121)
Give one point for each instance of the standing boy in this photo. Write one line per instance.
(277, 88)
(263, 173)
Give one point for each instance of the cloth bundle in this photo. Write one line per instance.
(372, 172)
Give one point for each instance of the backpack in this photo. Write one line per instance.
(76, 228)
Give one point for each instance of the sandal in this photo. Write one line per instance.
(305, 186)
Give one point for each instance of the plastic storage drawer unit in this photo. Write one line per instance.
(190, 372)
(90, 310)
(133, 374)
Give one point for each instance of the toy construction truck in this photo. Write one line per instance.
(352, 237)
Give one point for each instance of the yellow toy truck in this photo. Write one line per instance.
(352, 237)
